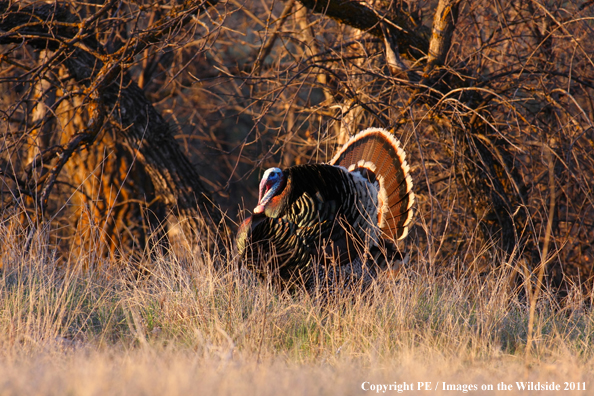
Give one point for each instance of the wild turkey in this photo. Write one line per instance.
(331, 224)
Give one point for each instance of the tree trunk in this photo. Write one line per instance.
(113, 96)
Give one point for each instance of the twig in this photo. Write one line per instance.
(267, 47)
(543, 257)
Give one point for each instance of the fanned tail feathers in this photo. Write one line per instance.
(379, 152)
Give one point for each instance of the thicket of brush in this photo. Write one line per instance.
(164, 111)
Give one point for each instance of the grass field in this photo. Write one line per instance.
(189, 329)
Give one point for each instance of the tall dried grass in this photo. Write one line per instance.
(185, 327)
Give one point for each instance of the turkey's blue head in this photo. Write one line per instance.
(272, 184)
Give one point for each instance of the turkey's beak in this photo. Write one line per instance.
(265, 186)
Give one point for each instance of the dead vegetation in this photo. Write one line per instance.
(129, 127)
(122, 117)
(189, 328)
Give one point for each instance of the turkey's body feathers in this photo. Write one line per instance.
(330, 222)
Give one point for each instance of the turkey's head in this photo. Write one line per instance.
(271, 186)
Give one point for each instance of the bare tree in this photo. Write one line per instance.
(104, 101)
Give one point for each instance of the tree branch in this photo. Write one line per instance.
(412, 41)
(444, 23)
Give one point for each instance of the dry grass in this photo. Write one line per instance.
(189, 329)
